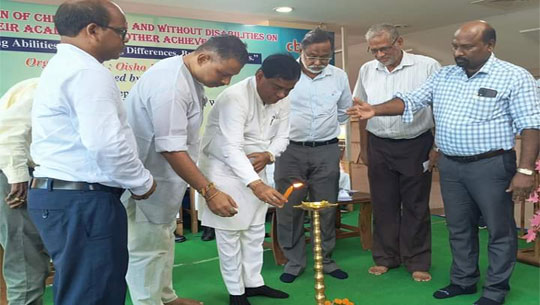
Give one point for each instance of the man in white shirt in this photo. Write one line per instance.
(86, 156)
(26, 263)
(397, 156)
(165, 109)
(318, 105)
(246, 129)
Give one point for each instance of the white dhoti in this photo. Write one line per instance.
(151, 258)
(241, 257)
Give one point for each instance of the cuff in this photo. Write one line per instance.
(166, 144)
(16, 175)
(141, 190)
(408, 115)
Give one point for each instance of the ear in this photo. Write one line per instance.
(203, 58)
(399, 41)
(259, 75)
(491, 45)
(92, 30)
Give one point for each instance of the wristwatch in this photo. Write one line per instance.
(525, 171)
(271, 156)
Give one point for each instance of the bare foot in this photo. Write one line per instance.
(378, 270)
(421, 276)
(182, 301)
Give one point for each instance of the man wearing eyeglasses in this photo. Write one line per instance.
(399, 156)
(318, 105)
(86, 156)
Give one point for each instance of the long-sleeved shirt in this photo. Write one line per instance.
(165, 110)
(79, 126)
(240, 124)
(15, 130)
(319, 105)
(481, 113)
(376, 85)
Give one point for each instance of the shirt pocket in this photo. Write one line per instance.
(484, 108)
(326, 103)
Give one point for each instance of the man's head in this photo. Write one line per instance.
(317, 51)
(97, 26)
(277, 77)
(216, 61)
(385, 44)
(472, 44)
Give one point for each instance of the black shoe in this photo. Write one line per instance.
(238, 300)
(179, 238)
(208, 234)
(339, 274)
(266, 292)
(453, 290)
(486, 301)
(287, 277)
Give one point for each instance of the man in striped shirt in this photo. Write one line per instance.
(397, 154)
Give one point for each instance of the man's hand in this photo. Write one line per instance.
(145, 195)
(221, 204)
(433, 159)
(259, 160)
(521, 187)
(361, 110)
(268, 194)
(17, 196)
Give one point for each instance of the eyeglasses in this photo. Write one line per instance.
(120, 31)
(383, 49)
(321, 59)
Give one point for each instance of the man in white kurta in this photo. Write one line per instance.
(165, 110)
(246, 129)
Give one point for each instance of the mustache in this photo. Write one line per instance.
(461, 61)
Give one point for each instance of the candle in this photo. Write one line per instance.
(291, 188)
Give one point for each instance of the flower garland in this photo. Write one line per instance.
(535, 220)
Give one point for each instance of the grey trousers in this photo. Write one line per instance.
(319, 168)
(26, 262)
(467, 190)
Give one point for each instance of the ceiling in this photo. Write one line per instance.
(420, 16)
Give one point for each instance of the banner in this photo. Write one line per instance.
(28, 40)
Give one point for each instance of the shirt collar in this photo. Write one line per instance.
(406, 60)
(488, 66)
(72, 48)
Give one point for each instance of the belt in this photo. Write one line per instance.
(315, 144)
(56, 184)
(467, 159)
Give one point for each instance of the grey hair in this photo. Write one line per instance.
(381, 28)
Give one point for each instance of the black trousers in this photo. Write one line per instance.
(400, 196)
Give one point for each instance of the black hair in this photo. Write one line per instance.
(316, 36)
(489, 34)
(282, 66)
(72, 16)
(226, 47)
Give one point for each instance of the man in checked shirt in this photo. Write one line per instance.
(479, 105)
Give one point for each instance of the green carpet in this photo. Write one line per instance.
(196, 275)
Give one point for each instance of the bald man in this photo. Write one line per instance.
(479, 105)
